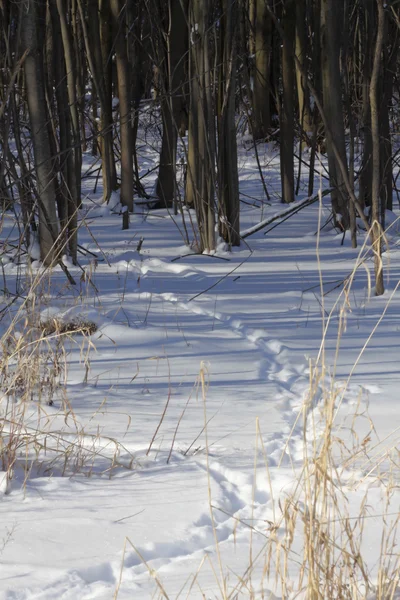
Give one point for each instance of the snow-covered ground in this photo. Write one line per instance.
(182, 416)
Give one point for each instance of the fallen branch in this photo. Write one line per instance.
(293, 208)
(199, 254)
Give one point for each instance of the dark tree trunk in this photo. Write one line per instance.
(74, 155)
(367, 23)
(262, 27)
(228, 179)
(303, 95)
(332, 15)
(287, 109)
(93, 47)
(201, 151)
(35, 88)
(124, 90)
(376, 155)
(173, 98)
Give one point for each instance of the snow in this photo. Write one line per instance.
(178, 397)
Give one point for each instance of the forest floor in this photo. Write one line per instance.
(181, 420)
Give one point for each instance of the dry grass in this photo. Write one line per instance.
(57, 326)
(39, 431)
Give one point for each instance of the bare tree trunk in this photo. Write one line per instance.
(346, 58)
(301, 53)
(332, 13)
(140, 64)
(91, 36)
(376, 167)
(81, 71)
(34, 79)
(107, 71)
(228, 179)
(315, 17)
(95, 129)
(124, 90)
(390, 57)
(58, 83)
(74, 159)
(287, 109)
(201, 151)
(173, 99)
(365, 186)
(262, 27)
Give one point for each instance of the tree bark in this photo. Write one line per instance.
(228, 179)
(376, 166)
(287, 109)
(332, 11)
(119, 22)
(173, 99)
(74, 158)
(35, 87)
(390, 57)
(303, 95)
(140, 65)
(107, 74)
(367, 22)
(91, 36)
(201, 151)
(262, 27)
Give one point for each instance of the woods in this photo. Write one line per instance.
(199, 299)
(318, 78)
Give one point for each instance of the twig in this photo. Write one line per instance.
(254, 198)
(12, 81)
(130, 516)
(67, 273)
(200, 254)
(84, 250)
(164, 411)
(221, 279)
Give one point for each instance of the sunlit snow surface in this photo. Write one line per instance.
(250, 339)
